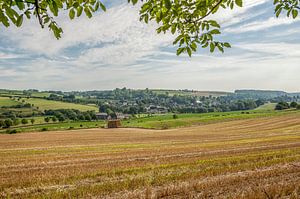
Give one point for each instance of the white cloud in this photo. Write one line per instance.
(262, 25)
(114, 49)
(280, 49)
(116, 36)
(228, 17)
(8, 56)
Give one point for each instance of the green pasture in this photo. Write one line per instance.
(6, 101)
(44, 104)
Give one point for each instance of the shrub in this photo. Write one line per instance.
(44, 129)
(293, 104)
(54, 119)
(282, 106)
(165, 126)
(14, 131)
(47, 119)
(71, 127)
(81, 125)
(8, 123)
(16, 122)
(24, 121)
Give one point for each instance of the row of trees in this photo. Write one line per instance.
(286, 105)
(60, 115)
(9, 122)
(70, 114)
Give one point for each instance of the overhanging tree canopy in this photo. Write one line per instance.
(187, 19)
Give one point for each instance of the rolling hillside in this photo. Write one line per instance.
(44, 104)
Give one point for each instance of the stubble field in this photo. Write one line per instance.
(250, 158)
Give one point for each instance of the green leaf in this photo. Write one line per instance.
(4, 19)
(27, 13)
(146, 19)
(134, 1)
(87, 12)
(220, 48)
(19, 20)
(102, 6)
(79, 11)
(278, 12)
(20, 5)
(295, 13)
(194, 46)
(212, 47)
(72, 13)
(214, 23)
(168, 4)
(97, 6)
(179, 51)
(189, 51)
(239, 3)
(215, 32)
(173, 28)
(227, 45)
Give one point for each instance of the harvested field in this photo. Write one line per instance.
(251, 158)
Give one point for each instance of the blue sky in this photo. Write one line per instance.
(114, 49)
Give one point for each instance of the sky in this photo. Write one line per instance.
(114, 49)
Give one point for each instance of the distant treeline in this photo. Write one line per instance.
(71, 114)
(285, 105)
(138, 101)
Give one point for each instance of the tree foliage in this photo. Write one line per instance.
(187, 20)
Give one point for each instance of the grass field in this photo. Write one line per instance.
(186, 120)
(158, 122)
(44, 104)
(268, 106)
(42, 126)
(249, 158)
(5, 101)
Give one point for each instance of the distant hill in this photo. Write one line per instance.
(265, 94)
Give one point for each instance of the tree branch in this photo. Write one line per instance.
(211, 10)
(36, 3)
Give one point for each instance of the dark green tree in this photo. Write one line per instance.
(54, 119)
(293, 104)
(1, 123)
(32, 121)
(8, 123)
(47, 119)
(24, 121)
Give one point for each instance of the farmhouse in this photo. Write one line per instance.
(122, 116)
(102, 116)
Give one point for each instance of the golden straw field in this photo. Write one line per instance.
(250, 158)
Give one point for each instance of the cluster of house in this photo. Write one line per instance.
(118, 116)
(152, 109)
